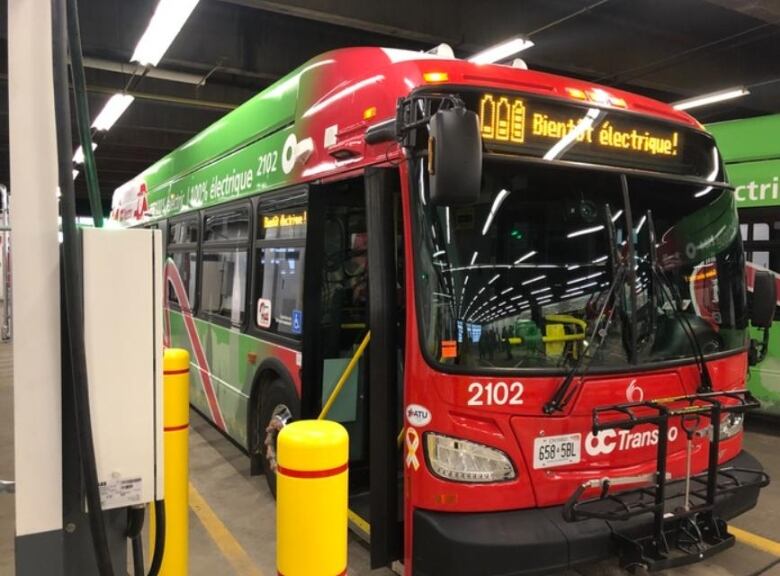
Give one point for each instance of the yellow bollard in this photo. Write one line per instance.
(176, 422)
(311, 499)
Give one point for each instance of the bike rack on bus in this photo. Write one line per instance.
(688, 533)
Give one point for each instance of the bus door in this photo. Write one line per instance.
(353, 287)
(337, 291)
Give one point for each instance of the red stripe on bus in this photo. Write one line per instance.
(173, 276)
(175, 428)
(175, 372)
(342, 573)
(312, 473)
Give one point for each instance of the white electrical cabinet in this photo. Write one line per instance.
(123, 338)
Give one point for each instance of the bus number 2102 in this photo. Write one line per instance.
(495, 394)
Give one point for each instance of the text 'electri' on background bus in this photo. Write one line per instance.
(539, 282)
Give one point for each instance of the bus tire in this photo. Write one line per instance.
(279, 406)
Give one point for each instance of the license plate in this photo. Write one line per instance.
(552, 451)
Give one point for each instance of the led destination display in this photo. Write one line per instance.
(532, 126)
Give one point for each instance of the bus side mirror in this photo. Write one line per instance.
(762, 313)
(454, 158)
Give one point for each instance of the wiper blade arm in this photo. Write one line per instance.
(562, 393)
(666, 286)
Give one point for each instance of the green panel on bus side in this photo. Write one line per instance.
(247, 171)
(764, 379)
(749, 139)
(263, 114)
(755, 183)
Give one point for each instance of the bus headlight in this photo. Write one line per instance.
(466, 461)
(731, 425)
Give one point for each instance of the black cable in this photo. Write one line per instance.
(82, 112)
(159, 538)
(138, 556)
(73, 294)
(135, 524)
(765, 568)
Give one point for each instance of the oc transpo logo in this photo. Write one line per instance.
(607, 441)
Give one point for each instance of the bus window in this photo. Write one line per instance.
(280, 290)
(225, 250)
(760, 231)
(183, 250)
(279, 259)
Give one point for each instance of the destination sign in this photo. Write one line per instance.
(557, 130)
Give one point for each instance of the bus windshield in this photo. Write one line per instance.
(517, 280)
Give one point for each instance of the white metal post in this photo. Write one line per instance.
(36, 282)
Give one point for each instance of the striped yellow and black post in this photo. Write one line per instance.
(176, 421)
(311, 499)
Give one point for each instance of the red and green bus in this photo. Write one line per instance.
(546, 276)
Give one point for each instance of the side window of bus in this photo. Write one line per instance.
(279, 258)
(182, 248)
(224, 274)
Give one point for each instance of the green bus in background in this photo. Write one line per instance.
(751, 151)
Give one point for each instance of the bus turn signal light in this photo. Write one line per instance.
(369, 113)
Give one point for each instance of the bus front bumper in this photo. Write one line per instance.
(534, 541)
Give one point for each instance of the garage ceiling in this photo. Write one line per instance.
(231, 49)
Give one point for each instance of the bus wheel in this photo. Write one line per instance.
(279, 406)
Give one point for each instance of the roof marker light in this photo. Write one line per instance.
(167, 21)
(577, 93)
(710, 98)
(433, 77)
(501, 51)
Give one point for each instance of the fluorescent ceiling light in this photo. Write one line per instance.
(584, 231)
(494, 278)
(111, 112)
(501, 51)
(168, 19)
(617, 215)
(78, 157)
(525, 257)
(532, 280)
(583, 278)
(710, 98)
(567, 141)
(493, 209)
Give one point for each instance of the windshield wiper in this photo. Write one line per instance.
(669, 292)
(563, 393)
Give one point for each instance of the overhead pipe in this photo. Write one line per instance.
(132, 69)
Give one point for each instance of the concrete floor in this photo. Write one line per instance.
(219, 472)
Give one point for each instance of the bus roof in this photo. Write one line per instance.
(312, 122)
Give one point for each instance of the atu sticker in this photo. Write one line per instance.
(418, 415)
(263, 313)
